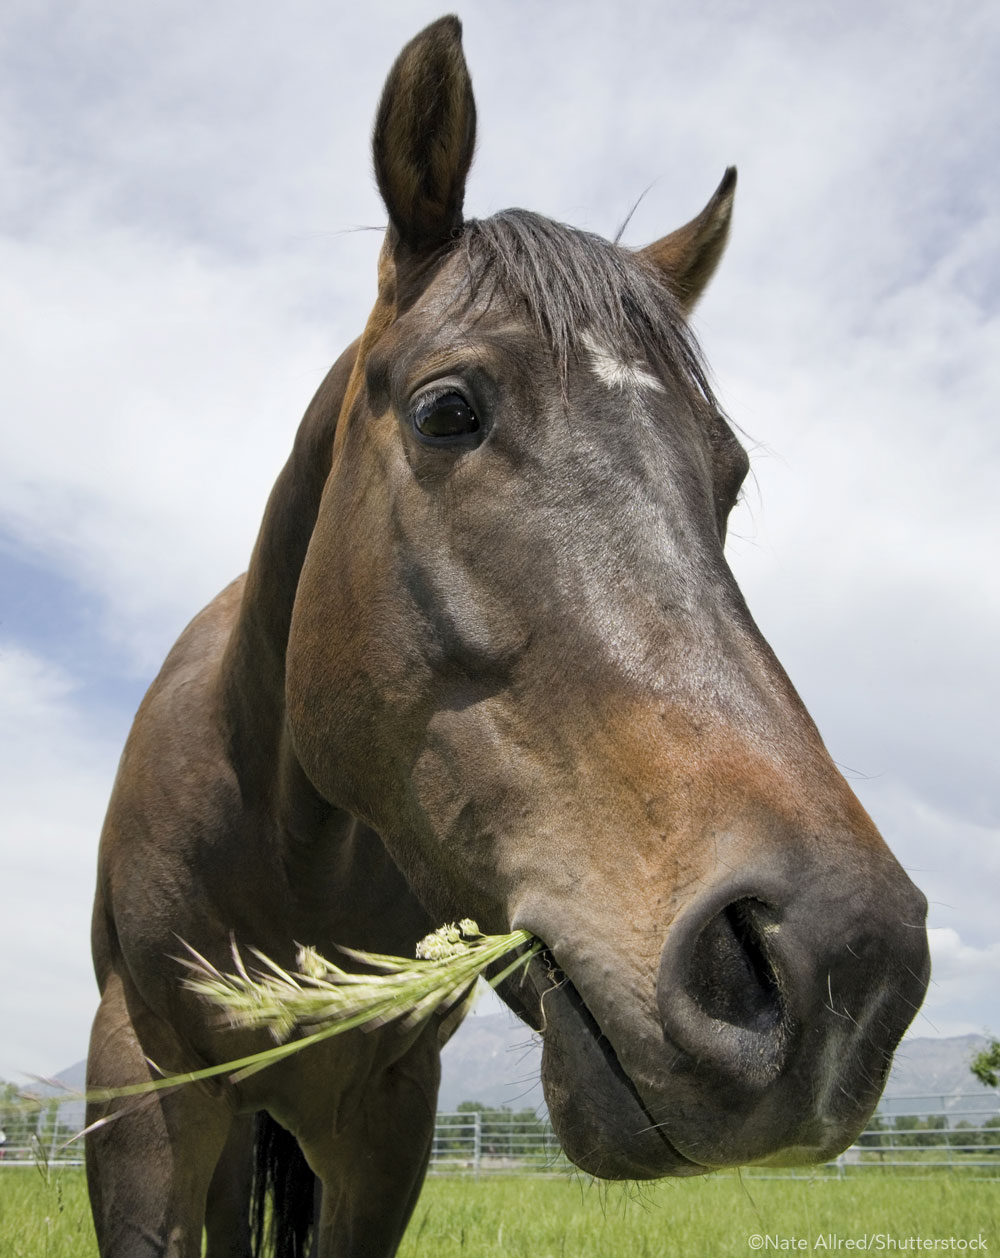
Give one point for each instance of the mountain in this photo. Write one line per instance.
(495, 1059)
(939, 1068)
(492, 1058)
(72, 1079)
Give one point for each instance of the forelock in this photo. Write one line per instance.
(574, 284)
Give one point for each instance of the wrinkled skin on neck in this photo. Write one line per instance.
(528, 667)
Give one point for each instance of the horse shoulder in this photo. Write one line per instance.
(176, 826)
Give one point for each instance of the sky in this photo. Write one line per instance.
(183, 197)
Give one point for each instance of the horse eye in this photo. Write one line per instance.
(445, 415)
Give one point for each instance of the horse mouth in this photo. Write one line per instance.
(643, 1089)
(596, 1110)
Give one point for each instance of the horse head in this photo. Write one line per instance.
(518, 653)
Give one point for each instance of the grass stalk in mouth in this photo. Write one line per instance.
(323, 1000)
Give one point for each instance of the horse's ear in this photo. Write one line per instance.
(688, 257)
(425, 131)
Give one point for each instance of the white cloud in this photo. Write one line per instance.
(155, 398)
(964, 978)
(54, 778)
(955, 861)
(958, 962)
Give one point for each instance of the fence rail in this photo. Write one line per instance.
(913, 1135)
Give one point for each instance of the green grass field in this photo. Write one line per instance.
(567, 1218)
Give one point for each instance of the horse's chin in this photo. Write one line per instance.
(595, 1110)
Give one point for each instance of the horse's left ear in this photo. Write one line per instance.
(688, 257)
(425, 131)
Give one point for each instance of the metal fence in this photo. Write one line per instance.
(476, 1141)
(906, 1136)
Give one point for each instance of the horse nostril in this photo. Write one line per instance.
(720, 990)
(729, 976)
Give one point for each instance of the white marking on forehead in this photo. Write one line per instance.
(615, 372)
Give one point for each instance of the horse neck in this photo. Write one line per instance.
(253, 668)
(323, 848)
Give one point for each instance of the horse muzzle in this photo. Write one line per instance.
(767, 1037)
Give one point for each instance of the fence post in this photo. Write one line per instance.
(477, 1143)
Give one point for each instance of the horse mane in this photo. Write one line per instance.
(573, 282)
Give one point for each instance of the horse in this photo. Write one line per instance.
(488, 660)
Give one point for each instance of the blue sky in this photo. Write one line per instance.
(179, 193)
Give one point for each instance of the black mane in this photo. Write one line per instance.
(572, 281)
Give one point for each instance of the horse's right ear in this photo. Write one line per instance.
(425, 131)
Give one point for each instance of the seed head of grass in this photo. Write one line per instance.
(322, 999)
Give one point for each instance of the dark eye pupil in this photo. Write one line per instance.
(448, 415)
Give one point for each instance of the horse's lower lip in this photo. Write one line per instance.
(582, 1011)
(646, 1151)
